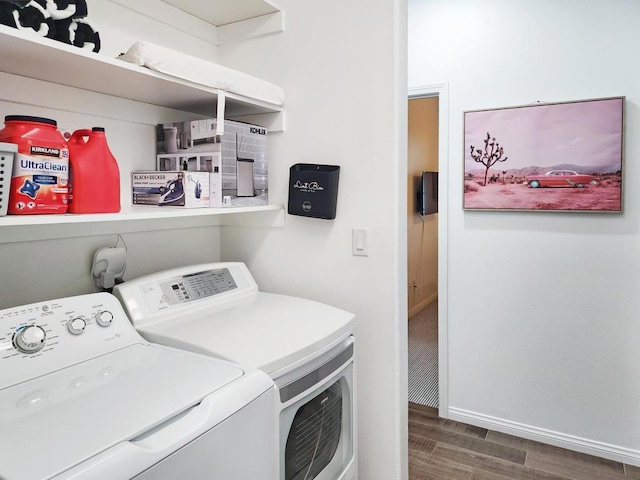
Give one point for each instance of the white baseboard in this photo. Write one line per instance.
(570, 442)
(422, 305)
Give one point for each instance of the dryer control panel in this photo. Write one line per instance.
(152, 297)
(43, 337)
(197, 285)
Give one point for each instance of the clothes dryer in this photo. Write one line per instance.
(305, 346)
(83, 396)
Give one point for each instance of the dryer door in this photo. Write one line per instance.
(314, 435)
(317, 436)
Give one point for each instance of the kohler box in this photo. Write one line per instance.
(237, 160)
(171, 189)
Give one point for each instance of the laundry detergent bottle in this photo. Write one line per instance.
(94, 178)
(40, 168)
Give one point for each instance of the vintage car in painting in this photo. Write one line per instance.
(559, 178)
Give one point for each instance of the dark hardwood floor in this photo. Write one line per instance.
(442, 449)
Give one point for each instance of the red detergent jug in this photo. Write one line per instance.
(40, 168)
(94, 177)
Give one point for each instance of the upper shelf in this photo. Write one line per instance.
(223, 12)
(44, 59)
(21, 228)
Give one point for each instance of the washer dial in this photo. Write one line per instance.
(104, 318)
(76, 326)
(30, 339)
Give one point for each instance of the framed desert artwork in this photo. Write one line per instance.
(565, 157)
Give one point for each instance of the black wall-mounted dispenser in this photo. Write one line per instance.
(313, 190)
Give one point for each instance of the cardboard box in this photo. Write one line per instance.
(237, 161)
(175, 189)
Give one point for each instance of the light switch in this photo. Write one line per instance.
(360, 242)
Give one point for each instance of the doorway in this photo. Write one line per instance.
(428, 296)
(422, 250)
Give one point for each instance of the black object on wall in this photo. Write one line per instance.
(428, 194)
(313, 190)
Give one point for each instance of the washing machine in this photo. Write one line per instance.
(84, 396)
(308, 349)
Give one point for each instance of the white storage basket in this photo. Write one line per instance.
(7, 153)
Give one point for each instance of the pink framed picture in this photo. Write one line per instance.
(565, 157)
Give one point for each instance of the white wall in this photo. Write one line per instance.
(342, 65)
(121, 23)
(542, 312)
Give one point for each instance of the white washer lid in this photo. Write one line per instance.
(56, 421)
(264, 330)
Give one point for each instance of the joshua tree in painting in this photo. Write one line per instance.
(492, 154)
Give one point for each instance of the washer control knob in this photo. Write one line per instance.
(75, 326)
(104, 318)
(30, 339)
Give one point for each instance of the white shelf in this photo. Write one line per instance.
(44, 59)
(131, 213)
(224, 12)
(31, 56)
(20, 228)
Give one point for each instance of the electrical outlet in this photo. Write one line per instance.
(109, 264)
